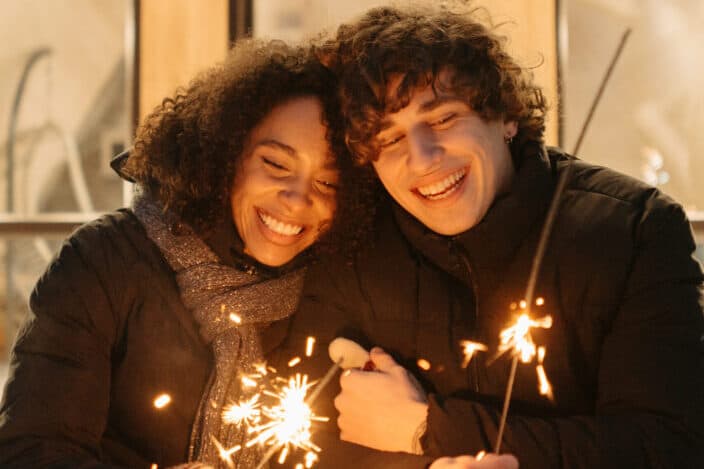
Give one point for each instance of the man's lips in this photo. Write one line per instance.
(443, 188)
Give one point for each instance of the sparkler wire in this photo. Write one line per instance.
(547, 229)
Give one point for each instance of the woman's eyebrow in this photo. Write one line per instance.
(288, 149)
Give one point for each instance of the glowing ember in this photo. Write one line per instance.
(469, 348)
(247, 411)
(224, 453)
(294, 361)
(310, 343)
(540, 302)
(248, 382)
(423, 364)
(311, 458)
(543, 383)
(235, 318)
(162, 400)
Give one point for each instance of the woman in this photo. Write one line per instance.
(140, 326)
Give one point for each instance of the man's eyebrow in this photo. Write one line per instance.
(437, 102)
(279, 146)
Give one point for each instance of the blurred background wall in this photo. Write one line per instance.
(77, 75)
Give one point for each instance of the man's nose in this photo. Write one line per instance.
(424, 151)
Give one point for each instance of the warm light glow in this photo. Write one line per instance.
(523, 304)
(469, 349)
(246, 411)
(423, 364)
(294, 361)
(154, 466)
(310, 343)
(162, 400)
(480, 455)
(540, 301)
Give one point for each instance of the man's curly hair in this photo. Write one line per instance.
(418, 43)
(188, 149)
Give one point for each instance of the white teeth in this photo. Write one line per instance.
(277, 226)
(442, 189)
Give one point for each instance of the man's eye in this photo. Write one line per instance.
(274, 164)
(389, 142)
(446, 119)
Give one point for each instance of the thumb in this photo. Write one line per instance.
(382, 360)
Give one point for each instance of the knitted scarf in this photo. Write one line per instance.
(229, 306)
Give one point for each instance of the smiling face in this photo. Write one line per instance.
(283, 196)
(442, 162)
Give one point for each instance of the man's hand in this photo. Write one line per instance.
(490, 461)
(383, 409)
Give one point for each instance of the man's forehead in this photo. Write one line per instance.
(421, 99)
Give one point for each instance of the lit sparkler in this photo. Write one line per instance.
(284, 426)
(289, 421)
(517, 340)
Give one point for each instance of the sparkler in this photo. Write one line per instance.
(545, 235)
(287, 423)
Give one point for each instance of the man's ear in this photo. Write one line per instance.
(510, 129)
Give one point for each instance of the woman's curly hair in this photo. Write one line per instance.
(417, 43)
(188, 149)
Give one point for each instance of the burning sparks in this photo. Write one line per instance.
(162, 400)
(310, 343)
(294, 361)
(517, 338)
(289, 421)
(469, 349)
(247, 411)
(283, 426)
(543, 383)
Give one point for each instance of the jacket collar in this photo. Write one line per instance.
(490, 245)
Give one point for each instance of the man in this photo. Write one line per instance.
(454, 131)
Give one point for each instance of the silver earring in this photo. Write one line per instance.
(508, 139)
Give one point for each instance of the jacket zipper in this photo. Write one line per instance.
(454, 247)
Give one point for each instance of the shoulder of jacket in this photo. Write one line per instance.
(600, 181)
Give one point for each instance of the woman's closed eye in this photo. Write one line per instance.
(275, 165)
(326, 187)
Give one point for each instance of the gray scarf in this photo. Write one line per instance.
(213, 292)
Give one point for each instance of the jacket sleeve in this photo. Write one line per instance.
(55, 404)
(650, 398)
